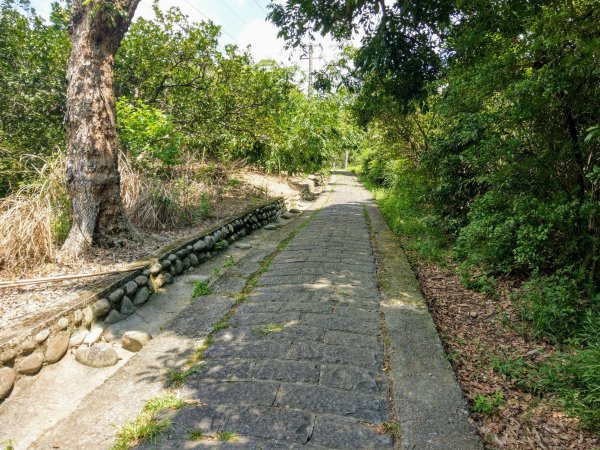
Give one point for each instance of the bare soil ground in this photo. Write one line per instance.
(21, 305)
(476, 328)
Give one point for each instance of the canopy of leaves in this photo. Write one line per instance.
(179, 92)
(33, 58)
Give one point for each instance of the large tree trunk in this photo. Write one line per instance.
(93, 181)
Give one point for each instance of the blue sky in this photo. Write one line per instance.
(242, 21)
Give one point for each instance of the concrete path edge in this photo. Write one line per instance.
(428, 400)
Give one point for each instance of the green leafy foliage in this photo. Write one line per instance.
(575, 377)
(147, 134)
(181, 94)
(201, 288)
(221, 245)
(488, 404)
(489, 153)
(560, 311)
(33, 58)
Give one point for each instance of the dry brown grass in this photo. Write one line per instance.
(34, 218)
(181, 196)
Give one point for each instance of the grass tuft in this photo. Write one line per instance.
(195, 435)
(146, 427)
(177, 378)
(269, 328)
(35, 220)
(391, 427)
(200, 288)
(221, 245)
(488, 404)
(228, 436)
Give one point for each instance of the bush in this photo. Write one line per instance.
(557, 309)
(147, 134)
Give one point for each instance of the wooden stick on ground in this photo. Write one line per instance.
(32, 281)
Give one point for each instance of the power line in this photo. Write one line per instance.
(260, 6)
(234, 12)
(225, 32)
(208, 18)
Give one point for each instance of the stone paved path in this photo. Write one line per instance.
(302, 362)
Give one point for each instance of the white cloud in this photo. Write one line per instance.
(264, 44)
(197, 10)
(262, 37)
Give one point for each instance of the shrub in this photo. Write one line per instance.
(147, 134)
(553, 306)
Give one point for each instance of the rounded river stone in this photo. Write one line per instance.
(77, 317)
(141, 296)
(130, 288)
(116, 295)
(134, 340)
(7, 381)
(42, 336)
(62, 323)
(158, 281)
(57, 347)
(141, 280)
(98, 355)
(127, 307)
(28, 345)
(155, 269)
(30, 365)
(194, 260)
(101, 307)
(113, 317)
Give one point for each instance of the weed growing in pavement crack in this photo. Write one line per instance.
(176, 378)
(200, 288)
(195, 435)
(222, 324)
(199, 435)
(198, 354)
(391, 427)
(227, 436)
(147, 426)
(269, 328)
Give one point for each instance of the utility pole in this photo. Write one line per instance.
(310, 69)
(310, 58)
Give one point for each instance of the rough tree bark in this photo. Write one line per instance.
(93, 182)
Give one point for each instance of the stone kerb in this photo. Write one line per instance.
(49, 341)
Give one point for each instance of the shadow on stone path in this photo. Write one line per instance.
(302, 360)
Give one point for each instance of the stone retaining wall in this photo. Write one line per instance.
(49, 341)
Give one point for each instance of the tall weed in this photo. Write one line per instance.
(35, 219)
